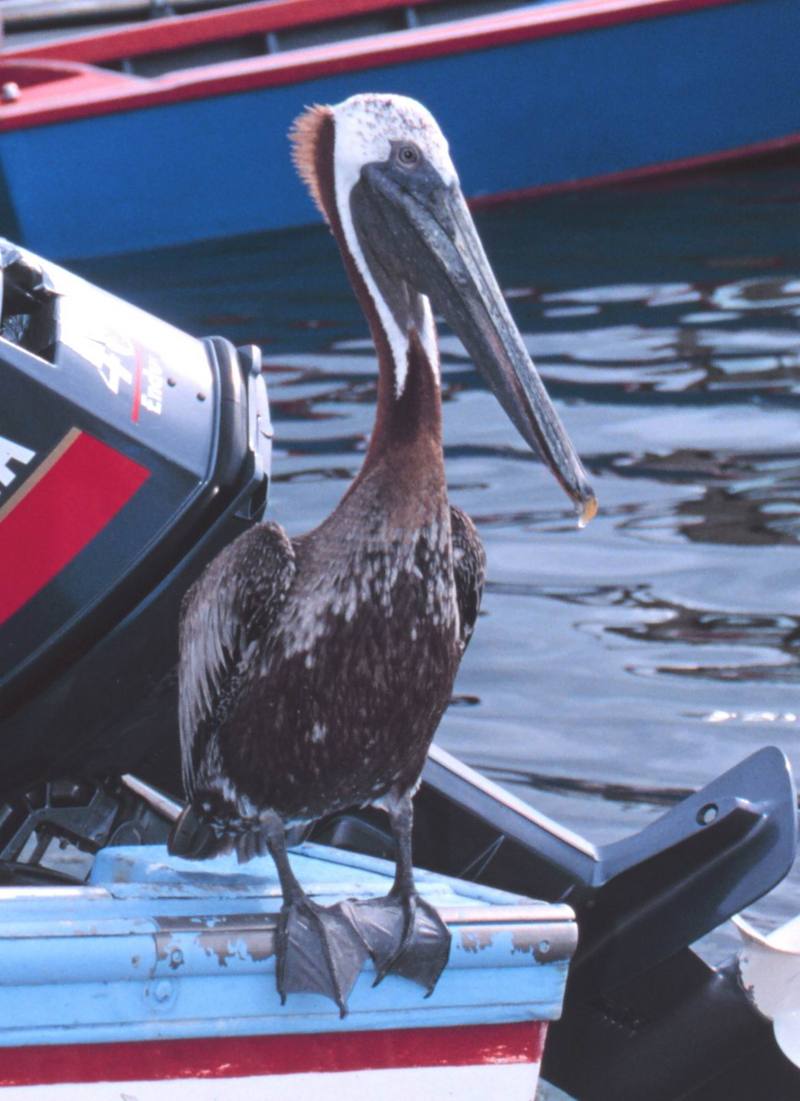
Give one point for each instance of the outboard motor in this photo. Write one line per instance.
(130, 453)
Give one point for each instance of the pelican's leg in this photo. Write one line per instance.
(317, 949)
(404, 933)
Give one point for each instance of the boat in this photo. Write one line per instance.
(158, 976)
(174, 130)
(769, 970)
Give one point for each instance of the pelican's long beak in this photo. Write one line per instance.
(437, 249)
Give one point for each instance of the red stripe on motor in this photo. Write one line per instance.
(137, 383)
(52, 523)
(243, 1056)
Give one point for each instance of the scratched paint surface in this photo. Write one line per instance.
(156, 948)
(660, 646)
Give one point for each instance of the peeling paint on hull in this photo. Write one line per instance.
(160, 975)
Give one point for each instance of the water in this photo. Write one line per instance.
(658, 647)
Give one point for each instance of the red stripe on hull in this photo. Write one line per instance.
(47, 524)
(243, 1056)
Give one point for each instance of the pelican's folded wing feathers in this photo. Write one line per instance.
(469, 566)
(225, 614)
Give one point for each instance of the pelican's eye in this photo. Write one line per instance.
(408, 155)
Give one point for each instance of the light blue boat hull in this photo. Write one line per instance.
(157, 948)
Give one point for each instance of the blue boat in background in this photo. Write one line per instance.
(174, 131)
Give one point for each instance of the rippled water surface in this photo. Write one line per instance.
(659, 646)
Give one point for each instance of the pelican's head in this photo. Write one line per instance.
(379, 168)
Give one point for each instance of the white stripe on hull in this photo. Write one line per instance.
(511, 1082)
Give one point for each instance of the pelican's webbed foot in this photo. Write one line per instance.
(318, 951)
(404, 933)
(405, 936)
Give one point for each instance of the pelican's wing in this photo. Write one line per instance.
(225, 613)
(469, 566)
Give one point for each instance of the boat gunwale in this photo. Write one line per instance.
(130, 93)
(171, 33)
(527, 913)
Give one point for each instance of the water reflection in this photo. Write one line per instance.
(746, 498)
(736, 634)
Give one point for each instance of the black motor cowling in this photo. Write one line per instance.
(130, 453)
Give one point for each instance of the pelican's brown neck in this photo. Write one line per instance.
(408, 413)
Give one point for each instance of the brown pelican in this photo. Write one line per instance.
(314, 671)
